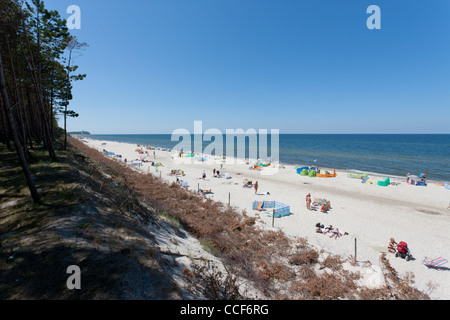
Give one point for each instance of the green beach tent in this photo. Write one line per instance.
(384, 183)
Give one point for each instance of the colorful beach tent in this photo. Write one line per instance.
(385, 182)
(299, 170)
(327, 175)
(177, 172)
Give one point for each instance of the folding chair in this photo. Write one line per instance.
(435, 263)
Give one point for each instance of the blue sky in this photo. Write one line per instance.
(300, 66)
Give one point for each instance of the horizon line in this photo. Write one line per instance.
(74, 132)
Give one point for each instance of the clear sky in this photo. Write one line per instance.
(300, 66)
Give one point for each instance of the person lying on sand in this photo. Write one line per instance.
(320, 228)
(203, 191)
(336, 233)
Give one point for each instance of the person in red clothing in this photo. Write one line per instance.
(308, 201)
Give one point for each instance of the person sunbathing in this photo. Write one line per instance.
(336, 233)
(202, 191)
(322, 229)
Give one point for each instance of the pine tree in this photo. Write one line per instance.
(35, 77)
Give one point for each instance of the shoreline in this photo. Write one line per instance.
(369, 213)
(294, 165)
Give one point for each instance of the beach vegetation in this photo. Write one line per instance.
(35, 80)
(174, 221)
(74, 223)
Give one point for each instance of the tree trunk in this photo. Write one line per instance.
(15, 95)
(67, 100)
(39, 97)
(23, 162)
(5, 128)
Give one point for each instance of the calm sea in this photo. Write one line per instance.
(390, 154)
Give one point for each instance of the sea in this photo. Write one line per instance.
(381, 154)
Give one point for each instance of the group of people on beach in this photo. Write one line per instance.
(320, 228)
(216, 174)
(334, 232)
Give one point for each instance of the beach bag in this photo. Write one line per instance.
(402, 247)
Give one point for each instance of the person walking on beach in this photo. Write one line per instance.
(256, 187)
(214, 172)
(308, 201)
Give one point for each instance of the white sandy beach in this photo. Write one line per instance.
(371, 214)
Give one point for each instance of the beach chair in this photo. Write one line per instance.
(435, 263)
(248, 183)
(325, 206)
